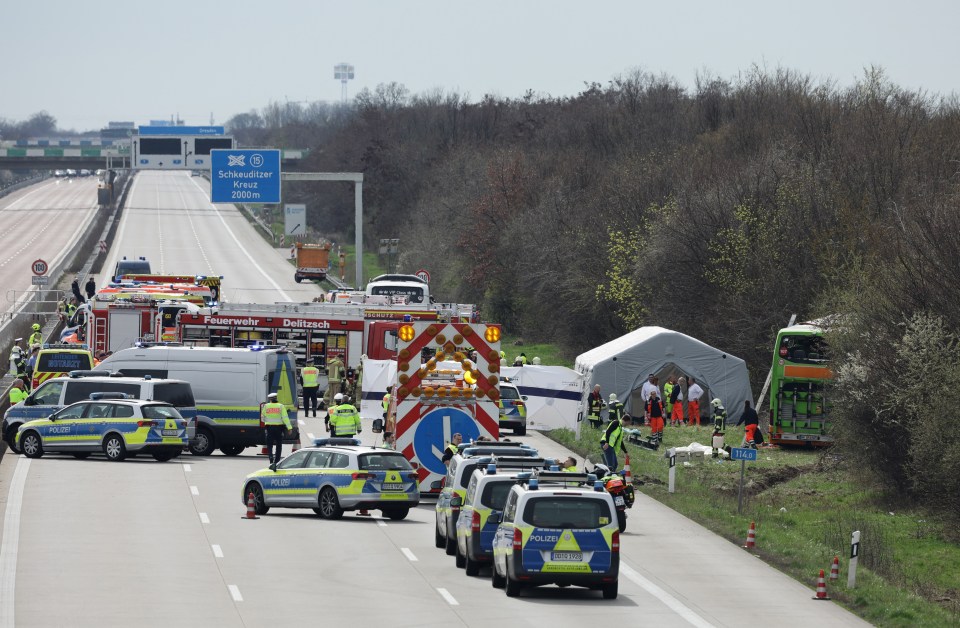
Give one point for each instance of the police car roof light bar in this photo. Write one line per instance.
(109, 395)
(335, 442)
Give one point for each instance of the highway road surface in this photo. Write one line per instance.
(143, 543)
(40, 222)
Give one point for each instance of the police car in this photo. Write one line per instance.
(486, 494)
(557, 528)
(512, 406)
(335, 475)
(112, 423)
(455, 484)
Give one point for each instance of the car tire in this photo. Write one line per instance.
(459, 559)
(297, 278)
(451, 545)
(164, 456)
(610, 591)
(114, 448)
(438, 539)
(259, 505)
(31, 445)
(203, 443)
(512, 586)
(496, 579)
(232, 450)
(520, 431)
(11, 437)
(81, 455)
(471, 567)
(396, 514)
(329, 504)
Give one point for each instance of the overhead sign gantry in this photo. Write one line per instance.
(178, 147)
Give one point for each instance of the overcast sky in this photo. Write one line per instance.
(87, 63)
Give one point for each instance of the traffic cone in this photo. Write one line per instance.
(821, 588)
(364, 512)
(835, 569)
(252, 510)
(296, 446)
(263, 451)
(751, 536)
(627, 476)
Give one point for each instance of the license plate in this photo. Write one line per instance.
(170, 432)
(618, 500)
(392, 486)
(568, 556)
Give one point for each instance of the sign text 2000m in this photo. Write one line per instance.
(243, 188)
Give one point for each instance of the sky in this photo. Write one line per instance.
(89, 63)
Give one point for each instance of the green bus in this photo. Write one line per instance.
(799, 408)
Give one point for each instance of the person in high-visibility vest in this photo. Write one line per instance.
(310, 380)
(334, 377)
(273, 415)
(570, 465)
(17, 392)
(36, 338)
(595, 404)
(452, 448)
(345, 420)
(612, 438)
(667, 392)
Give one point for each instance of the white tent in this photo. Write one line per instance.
(623, 364)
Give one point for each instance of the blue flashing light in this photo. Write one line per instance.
(407, 318)
(598, 486)
(491, 469)
(533, 484)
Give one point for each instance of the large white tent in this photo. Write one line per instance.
(622, 365)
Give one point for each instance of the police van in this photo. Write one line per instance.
(56, 394)
(56, 360)
(229, 385)
(557, 528)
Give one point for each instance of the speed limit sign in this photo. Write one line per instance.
(424, 275)
(39, 267)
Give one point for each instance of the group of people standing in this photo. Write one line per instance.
(659, 406)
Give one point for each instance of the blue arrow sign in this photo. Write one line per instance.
(434, 431)
(738, 453)
(244, 176)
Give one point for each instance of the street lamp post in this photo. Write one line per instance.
(343, 72)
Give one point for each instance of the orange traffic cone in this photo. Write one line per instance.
(252, 509)
(627, 476)
(751, 536)
(364, 512)
(835, 569)
(296, 446)
(821, 588)
(263, 451)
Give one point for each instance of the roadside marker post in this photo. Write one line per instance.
(672, 474)
(854, 556)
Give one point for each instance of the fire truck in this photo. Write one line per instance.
(440, 391)
(211, 281)
(314, 330)
(110, 322)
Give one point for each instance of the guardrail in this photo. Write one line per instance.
(21, 183)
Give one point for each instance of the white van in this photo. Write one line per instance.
(229, 386)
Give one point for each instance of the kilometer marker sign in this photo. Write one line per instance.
(244, 176)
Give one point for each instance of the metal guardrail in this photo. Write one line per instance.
(21, 183)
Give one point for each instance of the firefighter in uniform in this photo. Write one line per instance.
(344, 418)
(16, 357)
(334, 377)
(310, 380)
(595, 404)
(36, 338)
(273, 415)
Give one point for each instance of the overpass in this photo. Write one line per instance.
(95, 157)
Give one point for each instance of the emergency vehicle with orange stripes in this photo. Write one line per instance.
(447, 382)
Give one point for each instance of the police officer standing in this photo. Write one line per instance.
(334, 377)
(310, 380)
(344, 418)
(612, 438)
(276, 422)
(36, 338)
(17, 393)
(16, 356)
(91, 287)
(453, 447)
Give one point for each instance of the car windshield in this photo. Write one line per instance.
(160, 412)
(495, 494)
(561, 511)
(509, 393)
(384, 462)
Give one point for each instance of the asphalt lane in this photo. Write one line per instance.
(40, 222)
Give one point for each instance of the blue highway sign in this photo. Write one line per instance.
(244, 176)
(738, 453)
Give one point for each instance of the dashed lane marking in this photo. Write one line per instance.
(217, 551)
(668, 600)
(235, 593)
(406, 552)
(452, 601)
(204, 518)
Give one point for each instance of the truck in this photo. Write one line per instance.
(313, 261)
(440, 390)
(107, 323)
(211, 281)
(314, 330)
(799, 405)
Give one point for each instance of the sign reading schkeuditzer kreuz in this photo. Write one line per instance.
(245, 176)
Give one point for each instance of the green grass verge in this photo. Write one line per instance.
(549, 354)
(805, 507)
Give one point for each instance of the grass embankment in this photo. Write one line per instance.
(806, 506)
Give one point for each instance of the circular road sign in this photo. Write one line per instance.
(39, 267)
(435, 429)
(423, 274)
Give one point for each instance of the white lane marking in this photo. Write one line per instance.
(204, 518)
(243, 249)
(452, 601)
(194, 490)
(187, 468)
(381, 523)
(310, 436)
(11, 543)
(302, 422)
(406, 552)
(217, 551)
(235, 593)
(668, 600)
